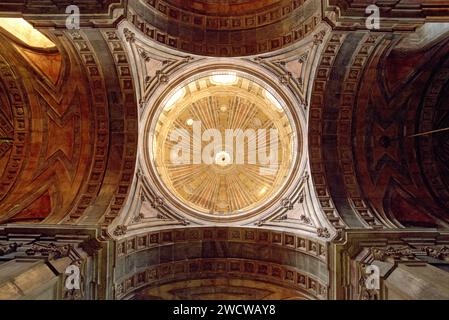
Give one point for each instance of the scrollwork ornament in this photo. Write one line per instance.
(441, 253)
(51, 250)
(393, 254)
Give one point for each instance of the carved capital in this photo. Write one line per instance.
(323, 233)
(129, 35)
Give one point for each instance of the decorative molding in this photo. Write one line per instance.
(315, 129)
(286, 203)
(8, 248)
(50, 251)
(318, 38)
(318, 129)
(130, 36)
(350, 15)
(386, 249)
(295, 212)
(100, 106)
(49, 14)
(130, 124)
(138, 217)
(18, 126)
(393, 254)
(323, 233)
(120, 230)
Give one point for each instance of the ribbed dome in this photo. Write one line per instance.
(234, 176)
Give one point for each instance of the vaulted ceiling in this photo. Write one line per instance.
(226, 28)
(376, 114)
(69, 133)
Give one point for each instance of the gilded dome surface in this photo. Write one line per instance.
(223, 144)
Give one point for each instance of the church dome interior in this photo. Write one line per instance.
(224, 150)
(239, 176)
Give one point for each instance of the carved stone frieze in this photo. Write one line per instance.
(50, 250)
(437, 252)
(393, 254)
(120, 230)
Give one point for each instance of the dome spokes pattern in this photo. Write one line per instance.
(236, 174)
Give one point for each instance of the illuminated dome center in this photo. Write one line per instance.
(223, 144)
